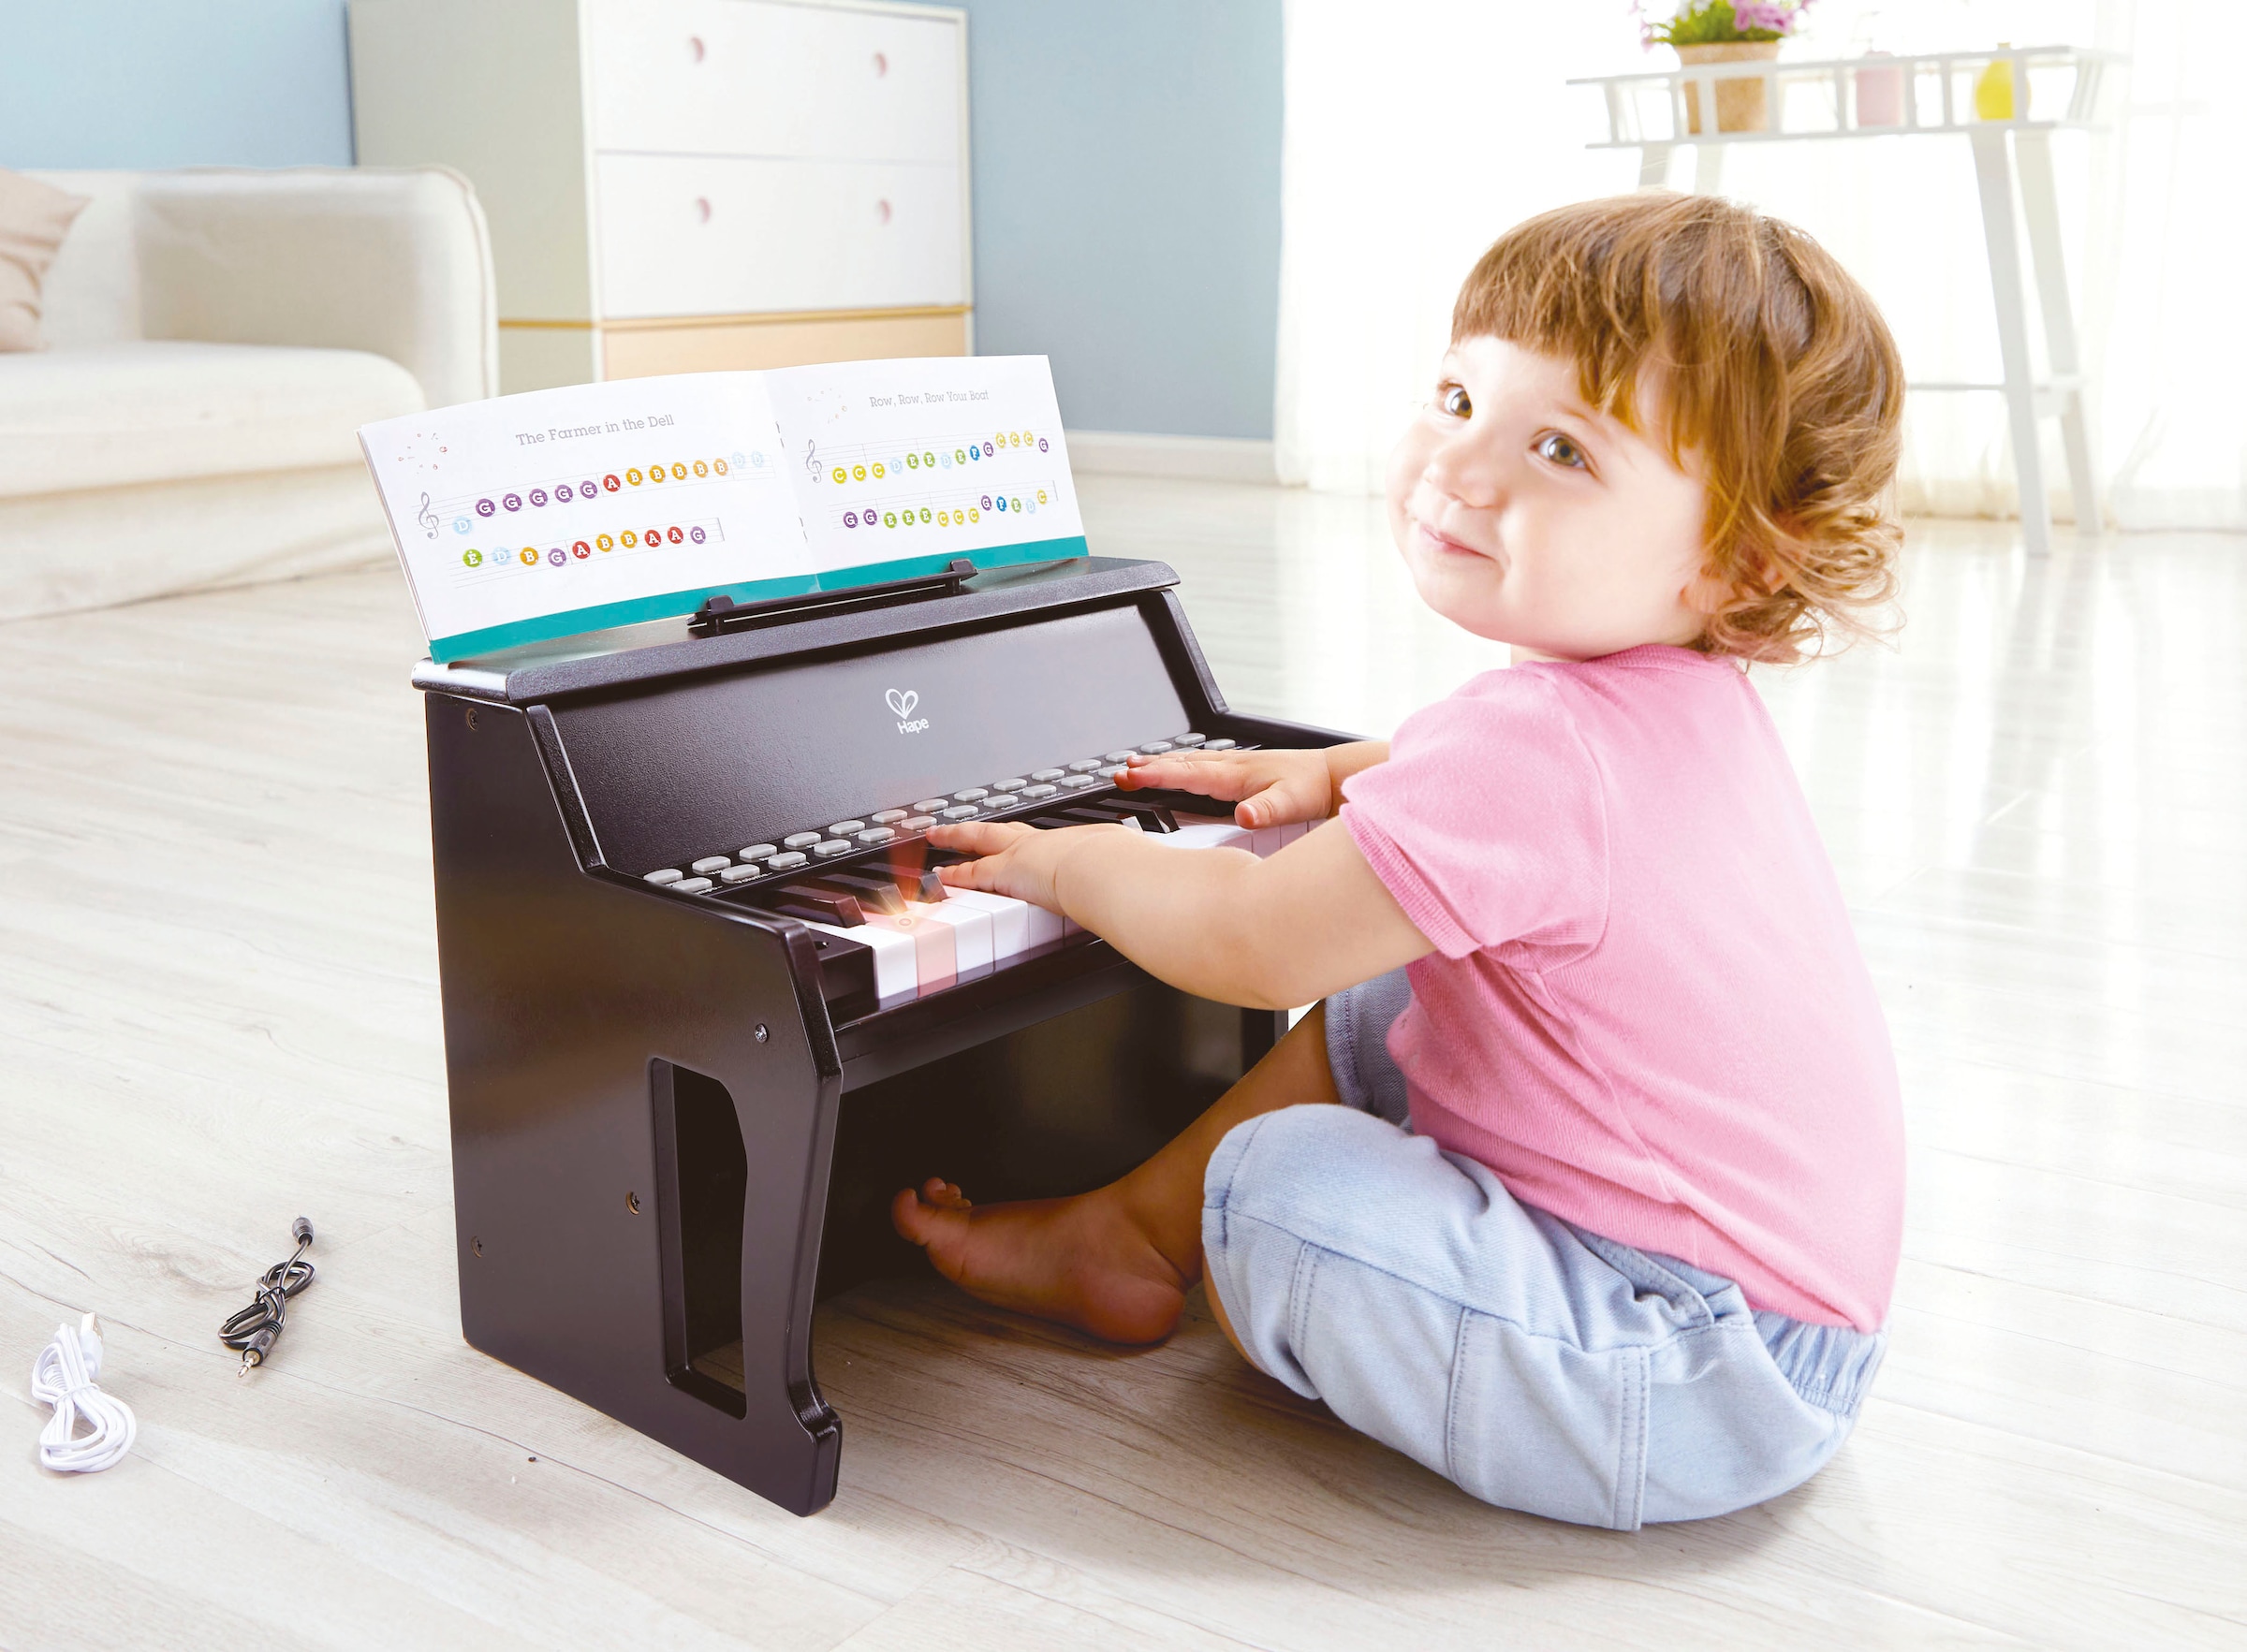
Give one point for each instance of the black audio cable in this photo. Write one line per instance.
(256, 1328)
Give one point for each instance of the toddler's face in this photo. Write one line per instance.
(1528, 519)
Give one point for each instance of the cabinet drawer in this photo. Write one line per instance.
(742, 78)
(710, 236)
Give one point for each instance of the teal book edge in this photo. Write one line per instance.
(603, 616)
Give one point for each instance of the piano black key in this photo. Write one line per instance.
(1152, 817)
(826, 906)
(869, 889)
(1073, 817)
(921, 884)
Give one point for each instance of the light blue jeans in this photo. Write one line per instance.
(1538, 1367)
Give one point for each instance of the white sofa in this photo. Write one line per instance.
(215, 339)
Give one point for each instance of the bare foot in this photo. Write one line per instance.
(1080, 1261)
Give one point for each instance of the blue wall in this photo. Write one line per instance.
(1127, 204)
(1126, 166)
(139, 83)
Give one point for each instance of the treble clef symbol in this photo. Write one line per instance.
(811, 458)
(427, 518)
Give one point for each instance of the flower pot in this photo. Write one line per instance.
(1741, 106)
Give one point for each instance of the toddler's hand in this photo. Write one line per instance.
(1272, 788)
(1013, 857)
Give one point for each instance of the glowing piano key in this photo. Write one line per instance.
(935, 950)
(972, 936)
(1015, 925)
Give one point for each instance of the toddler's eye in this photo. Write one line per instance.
(1453, 400)
(1561, 451)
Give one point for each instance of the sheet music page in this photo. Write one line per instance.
(902, 465)
(556, 512)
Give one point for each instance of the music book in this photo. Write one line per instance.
(550, 513)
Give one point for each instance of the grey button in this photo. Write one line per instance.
(917, 822)
(1039, 791)
(1076, 782)
(1047, 773)
(1218, 745)
(670, 874)
(889, 816)
(738, 874)
(1001, 800)
(759, 851)
(1086, 765)
(712, 863)
(800, 839)
(787, 862)
(962, 811)
(1183, 740)
(1117, 757)
(1015, 784)
(930, 805)
(830, 848)
(1156, 748)
(971, 795)
(873, 835)
(843, 828)
(690, 886)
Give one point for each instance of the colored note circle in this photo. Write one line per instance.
(975, 453)
(530, 556)
(1018, 504)
(702, 469)
(610, 483)
(460, 524)
(696, 535)
(483, 507)
(987, 450)
(565, 493)
(655, 473)
(879, 471)
(719, 465)
(678, 471)
(678, 536)
(986, 502)
(1041, 496)
(841, 475)
(580, 550)
(924, 513)
(632, 477)
(472, 556)
(606, 543)
(944, 519)
(912, 462)
(944, 460)
(973, 515)
(538, 496)
(857, 472)
(653, 536)
(850, 519)
(1041, 443)
(929, 460)
(756, 459)
(557, 556)
(629, 538)
(1001, 504)
(586, 489)
(888, 518)
(513, 501)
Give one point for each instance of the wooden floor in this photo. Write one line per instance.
(218, 1009)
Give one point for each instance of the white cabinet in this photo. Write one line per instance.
(674, 185)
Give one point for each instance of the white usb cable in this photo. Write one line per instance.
(62, 1377)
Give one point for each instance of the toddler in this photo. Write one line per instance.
(1602, 1213)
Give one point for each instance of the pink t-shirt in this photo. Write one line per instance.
(1646, 1010)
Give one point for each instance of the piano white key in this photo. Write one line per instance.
(1266, 840)
(896, 972)
(935, 954)
(1009, 920)
(971, 927)
(1196, 832)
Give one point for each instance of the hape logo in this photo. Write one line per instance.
(902, 701)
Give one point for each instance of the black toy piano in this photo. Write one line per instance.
(708, 1007)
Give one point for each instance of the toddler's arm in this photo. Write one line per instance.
(1218, 923)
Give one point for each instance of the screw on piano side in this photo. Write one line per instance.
(472, 720)
(632, 1203)
(762, 1032)
(476, 1244)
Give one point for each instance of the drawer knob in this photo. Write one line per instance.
(881, 210)
(695, 47)
(881, 64)
(702, 207)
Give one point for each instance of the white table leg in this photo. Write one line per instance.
(1708, 168)
(1653, 166)
(2040, 205)
(1993, 171)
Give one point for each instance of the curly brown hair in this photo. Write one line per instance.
(1764, 357)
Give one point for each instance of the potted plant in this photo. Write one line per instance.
(1726, 30)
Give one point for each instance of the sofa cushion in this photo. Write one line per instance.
(154, 411)
(33, 218)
